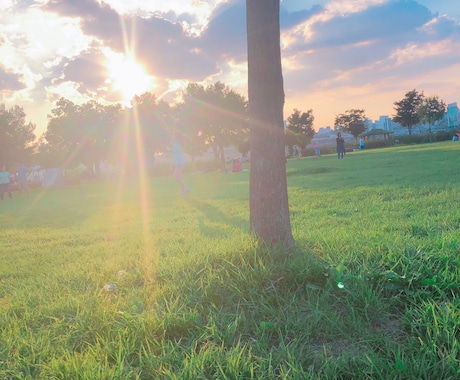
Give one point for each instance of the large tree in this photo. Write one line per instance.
(16, 136)
(301, 122)
(154, 122)
(216, 115)
(268, 198)
(80, 133)
(299, 128)
(406, 110)
(352, 121)
(431, 110)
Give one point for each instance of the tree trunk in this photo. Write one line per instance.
(268, 198)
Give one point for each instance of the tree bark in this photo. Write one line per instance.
(268, 198)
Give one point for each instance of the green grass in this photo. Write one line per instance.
(371, 290)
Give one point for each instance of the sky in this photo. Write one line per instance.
(337, 54)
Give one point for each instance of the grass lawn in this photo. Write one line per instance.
(131, 280)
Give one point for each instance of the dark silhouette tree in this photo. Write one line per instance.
(216, 115)
(352, 121)
(154, 121)
(301, 122)
(431, 110)
(268, 198)
(299, 128)
(79, 133)
(16, 136)
(406, 110)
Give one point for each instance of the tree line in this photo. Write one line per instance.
(213, 116)
(413, 109)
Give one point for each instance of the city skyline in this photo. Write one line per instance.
(337, 55)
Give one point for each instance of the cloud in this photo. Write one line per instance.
(291, 19)
(10, 81)
(363, 41)
(162, 42)
(333, 47)
(88, 71)
(228, 24)
(395, 19)
(163, 47)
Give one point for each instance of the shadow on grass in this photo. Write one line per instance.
(211, 223)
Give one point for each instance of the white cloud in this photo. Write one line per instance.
(337, 54)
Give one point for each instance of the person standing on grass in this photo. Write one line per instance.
(21, 177)
(4, 182)
(317, 150)
(340, 146)
(179, 162)
(361, 143)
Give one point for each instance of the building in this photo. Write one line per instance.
(326, 137)
(452, 116)
(451, 120)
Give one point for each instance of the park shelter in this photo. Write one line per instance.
(376, 134)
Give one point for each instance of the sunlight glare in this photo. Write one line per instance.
(127, 77)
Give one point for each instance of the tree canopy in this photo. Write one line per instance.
(16, 136)
(79, 133)
(431, 110)
(407, 110)
(301, 122)
(214, 115)
(299, 128)
(352, 121)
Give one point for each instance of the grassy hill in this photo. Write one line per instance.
(130, 280)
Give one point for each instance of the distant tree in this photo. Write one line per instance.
(80, 133)
(431, 110)
(301, 122)
(352, 121)
(268, 197)
(406, 110)
(299, 128)
(16, 136)
(61, 141)
(154, 120)
(215, 115)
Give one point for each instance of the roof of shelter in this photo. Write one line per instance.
(376, 132)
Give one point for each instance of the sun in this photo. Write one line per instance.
(127, 77)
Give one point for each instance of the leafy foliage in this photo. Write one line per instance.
(352, 121)
(16, 136)
(299, 128)
(301, 122)
(431, 110)
(214, 115)
(407, 109)
(79, 133)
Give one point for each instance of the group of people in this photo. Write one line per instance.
(179, 158)
(19, 177)
(340, 143)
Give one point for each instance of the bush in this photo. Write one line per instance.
(413, 139)
(445, 135)
(378, 143)
(425, 137)
(326, 149)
